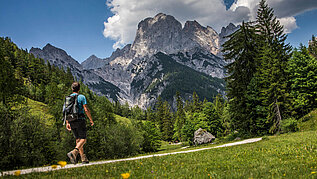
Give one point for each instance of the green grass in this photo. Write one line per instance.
(122, 120)
(308, 122)
(38, 108)
(292, 155)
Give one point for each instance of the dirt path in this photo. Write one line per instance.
(49, 168)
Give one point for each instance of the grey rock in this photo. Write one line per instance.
(93, 62)
(225, 31)
(201, 136)
(58, 57)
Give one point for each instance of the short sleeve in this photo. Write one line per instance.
(82, 100)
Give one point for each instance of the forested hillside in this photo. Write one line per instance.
(24, 79)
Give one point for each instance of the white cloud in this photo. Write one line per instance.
(289, 24)
(122, 26)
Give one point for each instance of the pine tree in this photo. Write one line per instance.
(179, 117)
(241, 51)
(10, 81)
(167, 124)
(302, 70)
(159, 113)
(312, 46)
(273, 62)
(150, 116)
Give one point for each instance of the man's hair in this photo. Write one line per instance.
(75, 87)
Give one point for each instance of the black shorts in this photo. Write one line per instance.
(79, 128)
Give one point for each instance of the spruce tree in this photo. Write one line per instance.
(159, 113)
(302, 70)
(312, 47)
(167, 124)
(241, 51)
(274, 54)
(179, 117)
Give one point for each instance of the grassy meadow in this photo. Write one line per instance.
(292, 155)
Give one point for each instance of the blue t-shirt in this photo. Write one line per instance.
(81, 99)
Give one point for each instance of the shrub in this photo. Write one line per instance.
(112, 141)
(26, 140)
(289, 125)
(151, 137)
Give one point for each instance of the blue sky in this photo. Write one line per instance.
(77, 25)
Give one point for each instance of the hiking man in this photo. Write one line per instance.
(78, 127)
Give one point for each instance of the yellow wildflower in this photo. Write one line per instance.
(313, 172)
(125, 175)
(62, 163)
(107, 171)
(54, 166)
(17, 173)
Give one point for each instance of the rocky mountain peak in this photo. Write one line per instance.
(92, 56)
(192, 25)
(198, 36)
(56, 56)
(163, 33)
(225, 31)
(156, 34)
(93, 62)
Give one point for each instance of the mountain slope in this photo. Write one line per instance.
(165, 77)
(164, 58)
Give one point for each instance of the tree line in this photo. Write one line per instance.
(269, 83)
(180, 125)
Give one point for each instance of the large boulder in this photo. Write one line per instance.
(201, 136)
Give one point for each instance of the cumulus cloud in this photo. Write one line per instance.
(122, 26)
(289, 24)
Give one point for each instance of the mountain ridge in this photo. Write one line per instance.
(138, 73)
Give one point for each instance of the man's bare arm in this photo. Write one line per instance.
(88, 114)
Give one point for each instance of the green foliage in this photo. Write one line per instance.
(166, 122)
(312, 47)
(112, 141)
(187, 132)
(183, 79)
(289, 125)
(151, 137)
(242, 48)
(308, 122)
(179, 118)
(257, 81)
(302, 71)
(26, 140)
(11, 77)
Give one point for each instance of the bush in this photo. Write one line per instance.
(151, 137)
(289, 125)
(25, 140)
(112, 141)
(187, 132)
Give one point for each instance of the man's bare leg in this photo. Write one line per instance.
(80, 145)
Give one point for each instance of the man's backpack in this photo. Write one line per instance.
(70, 108)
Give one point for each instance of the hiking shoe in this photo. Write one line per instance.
(72, 155)
(84, 159)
